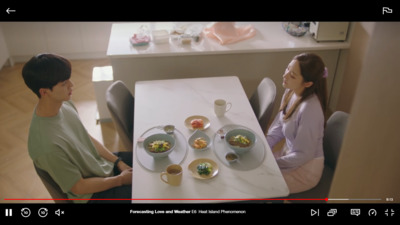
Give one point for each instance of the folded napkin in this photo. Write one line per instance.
(228, 33)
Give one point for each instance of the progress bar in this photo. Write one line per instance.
(354, 199)
(153, 199)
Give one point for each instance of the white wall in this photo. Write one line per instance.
(347, 85)
(368, 166)
(74, 40)
(4, 54)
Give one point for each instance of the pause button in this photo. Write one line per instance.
(8, 212)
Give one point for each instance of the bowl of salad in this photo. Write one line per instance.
(159, 145)
(240, 140)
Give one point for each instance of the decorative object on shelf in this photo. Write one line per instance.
(187, 34)
(141, 37)
(160, 36)
(296, 29)
(228, 32)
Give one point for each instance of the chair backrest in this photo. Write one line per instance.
(262, 101)
(52, 187)
(333, 137)
(120, 103)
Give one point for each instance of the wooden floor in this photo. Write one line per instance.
(18, 179)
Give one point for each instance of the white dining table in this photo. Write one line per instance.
(171, 102)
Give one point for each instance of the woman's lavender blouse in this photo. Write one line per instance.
(304, 133)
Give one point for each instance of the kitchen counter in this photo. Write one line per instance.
(270, 37)
(266, 54)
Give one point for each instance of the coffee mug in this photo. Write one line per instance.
(221, 107)
(173, 173)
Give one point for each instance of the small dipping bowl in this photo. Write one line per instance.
(169, 129)
(231, 157)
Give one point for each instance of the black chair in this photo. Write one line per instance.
(120, 103)
(52, 187)
(262, 101)
(333, 137)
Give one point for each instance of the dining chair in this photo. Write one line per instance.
(262, 101)
(332, 142)
(52, 187)
(120, 103)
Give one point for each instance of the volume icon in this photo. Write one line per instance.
(8, 212)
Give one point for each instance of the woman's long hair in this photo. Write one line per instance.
(312, 69)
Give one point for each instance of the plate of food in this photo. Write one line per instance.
(197, 122)
(203, 168)
(245, 158)
(240, 140)
(159, 145)
(199, 141)
(153, 162)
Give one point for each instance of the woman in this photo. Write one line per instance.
(301, 122)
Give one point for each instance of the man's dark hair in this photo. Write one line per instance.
(45, 71)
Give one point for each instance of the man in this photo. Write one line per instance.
(58, 142)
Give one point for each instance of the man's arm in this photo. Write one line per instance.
(106, 154)
(98, 184)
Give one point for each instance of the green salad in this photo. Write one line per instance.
(204, 168)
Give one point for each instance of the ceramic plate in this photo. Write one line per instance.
(246, 161)
(190, 118)
(193, 168)
(199, 134)
(150, 163)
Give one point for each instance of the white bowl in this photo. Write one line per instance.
(199, 134)
(231, 157)
(162, 137)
